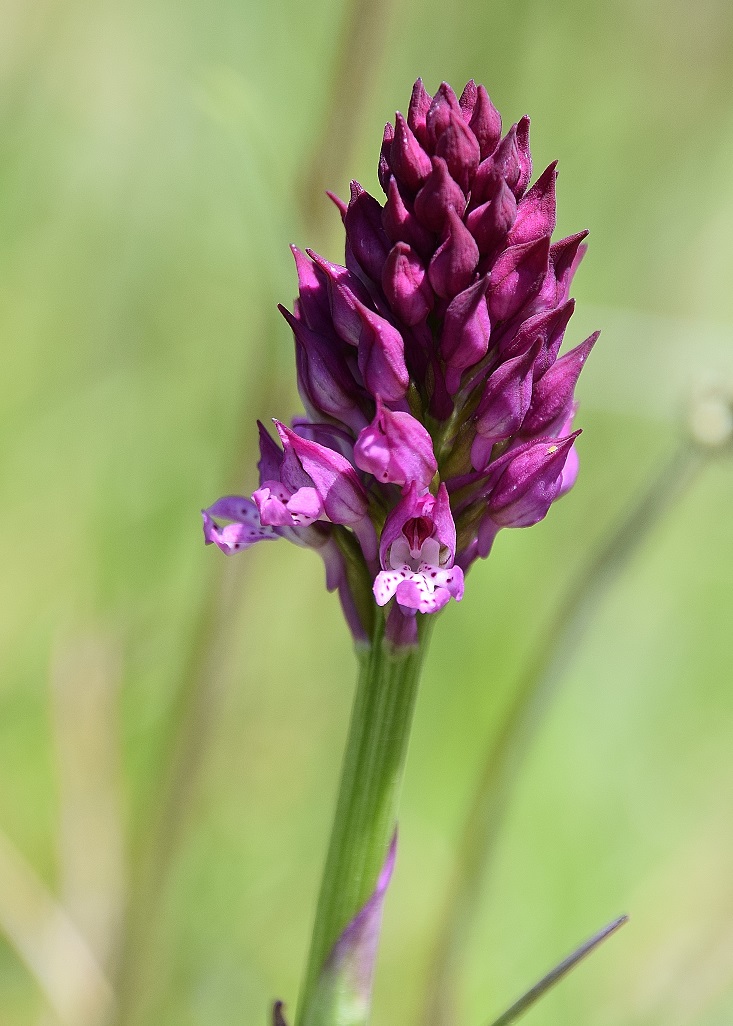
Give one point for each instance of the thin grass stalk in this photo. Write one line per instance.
(532, 699)
(57, 955)
(364, 31)
(560, 971)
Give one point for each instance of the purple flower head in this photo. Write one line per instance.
(438, 407)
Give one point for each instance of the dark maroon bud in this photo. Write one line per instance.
(401, 225)
(549, 327)
(554, 324)
(565, 256)
(406, 286)
(344, 291)
(438, 115)
(466, 332)
(419, 106)
(525, 157)
(504, 403)
(454, 264)
(382, 356)
(325, 383)
(552, 398)
(408, 160)
(485, 183)
(491, 222)
(438, 196)
(516, 278)
(536, 211)
(457, 145)
(503, 165)
(467, 100)
(363, 222)
(530, 483)
(313, 303)
(384, 172)
(485, 123)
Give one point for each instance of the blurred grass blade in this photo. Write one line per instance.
(185, 743)
(365, 31)
(533, 696)
(556, 974)
(50, 945)
(85, 679)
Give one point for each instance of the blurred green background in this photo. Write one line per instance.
(171, 723)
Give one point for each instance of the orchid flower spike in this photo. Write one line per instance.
(438, 406)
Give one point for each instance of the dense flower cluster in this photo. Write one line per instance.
(438, 408)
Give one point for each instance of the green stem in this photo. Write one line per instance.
(366, 809)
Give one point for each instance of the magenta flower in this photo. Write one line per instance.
(396, 449)
(245, 530)
(417, 553)
(438, 409)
